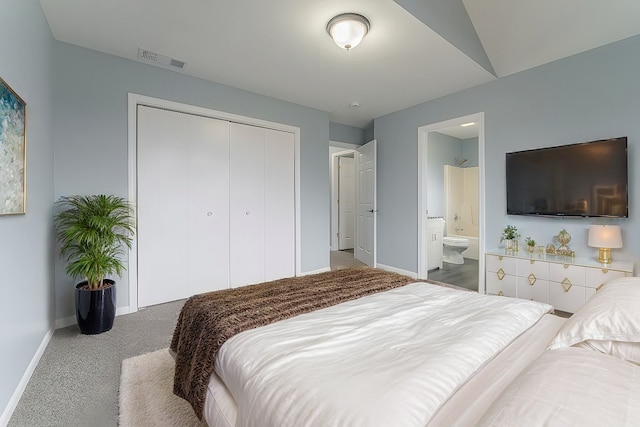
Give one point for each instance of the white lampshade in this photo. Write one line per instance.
(605, 236)
(348, 29)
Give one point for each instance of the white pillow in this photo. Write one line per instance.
(609, 322)
(629, 351)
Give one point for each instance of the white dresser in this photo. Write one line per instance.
(564, 282)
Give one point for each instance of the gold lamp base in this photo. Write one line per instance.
(604, 255)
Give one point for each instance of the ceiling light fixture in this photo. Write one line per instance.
(467, 124)
(348, 29)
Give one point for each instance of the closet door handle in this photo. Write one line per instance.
(373, 210)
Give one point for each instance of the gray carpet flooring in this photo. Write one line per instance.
(76, 382)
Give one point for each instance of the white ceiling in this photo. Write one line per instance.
(280, 48)
(461, 132)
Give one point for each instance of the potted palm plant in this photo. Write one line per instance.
(93, 232)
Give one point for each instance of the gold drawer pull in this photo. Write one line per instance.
(599, 287)
(532, 279)
(500, 294)
(566, 284)
(566, 266)
(500, 257)
(500, 274)
(532, 261)
(605, 270)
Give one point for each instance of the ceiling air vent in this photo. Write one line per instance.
(159, 59)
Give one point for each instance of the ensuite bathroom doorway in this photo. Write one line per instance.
(450, 221)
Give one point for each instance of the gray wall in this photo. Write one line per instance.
(91, 139)
(441, 150)
(26, 248)
(585, 97)
(345, 133)
(369, 133)
(470, 152)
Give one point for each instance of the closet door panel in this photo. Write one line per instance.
(247, 226)
(162, 206)
(208, 193)
(279, 205)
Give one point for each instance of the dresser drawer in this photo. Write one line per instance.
(528, 267)
(575, 274)
(538, 291)
(505, 286)
(599, 276)
(496, 263)
(566, 297)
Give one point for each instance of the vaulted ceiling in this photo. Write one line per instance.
(416, 50)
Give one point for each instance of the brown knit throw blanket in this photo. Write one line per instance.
(208, 320)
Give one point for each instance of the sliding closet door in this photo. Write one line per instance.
(279, 205)
(182, 205)
(247, 228)
(262, 222)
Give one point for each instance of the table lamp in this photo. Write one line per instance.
(605, 237)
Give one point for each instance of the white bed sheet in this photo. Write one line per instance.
(464, 408)
(467, 405)
(389, 358)
(570, 387)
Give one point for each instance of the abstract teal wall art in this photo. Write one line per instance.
(12, 151)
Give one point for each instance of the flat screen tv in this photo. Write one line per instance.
(576, 180)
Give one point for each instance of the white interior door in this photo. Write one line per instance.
(247, 208)
(182, 205)
(346, 202)
(365, 249)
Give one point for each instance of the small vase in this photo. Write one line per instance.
(511, 245)
(530, 248)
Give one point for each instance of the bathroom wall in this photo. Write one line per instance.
(461, 202)
(470, 152)
(441, 150)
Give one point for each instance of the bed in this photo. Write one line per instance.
(590, 375)
(413, 353)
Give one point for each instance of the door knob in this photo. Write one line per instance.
(373, 210)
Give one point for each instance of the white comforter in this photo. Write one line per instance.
(570, 387)
(391, 358)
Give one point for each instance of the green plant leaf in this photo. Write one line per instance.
(93, 232)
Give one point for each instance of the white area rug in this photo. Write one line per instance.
(146, 394)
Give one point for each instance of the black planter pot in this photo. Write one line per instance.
(95, 309)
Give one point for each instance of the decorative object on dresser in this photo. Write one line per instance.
(563, 238)
(510, 238)
(605, 237)
(531, 244)
(564, 283)
(93, 231)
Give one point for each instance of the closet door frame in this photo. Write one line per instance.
(133, 101)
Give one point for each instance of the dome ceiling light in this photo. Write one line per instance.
(348, 29)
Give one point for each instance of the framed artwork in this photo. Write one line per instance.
(12, 151)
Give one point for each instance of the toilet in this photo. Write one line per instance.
(452, 248)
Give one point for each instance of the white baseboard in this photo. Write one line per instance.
(322, 270)
(22, 385)
(71, 320)
(411, 274)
